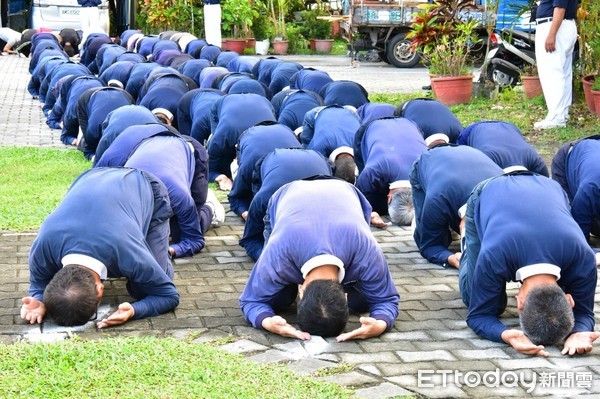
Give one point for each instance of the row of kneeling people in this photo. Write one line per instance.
(415, 158)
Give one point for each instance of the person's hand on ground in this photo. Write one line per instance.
(518, 340)
(278, 325)
(377, 221)
(32, 310)
(224, 183)
(580, 342)
(454, 259)
(369, 327)
(123, 313)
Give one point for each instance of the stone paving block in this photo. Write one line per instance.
(529, 363)
(271, 356)
(309, 366)
(374, 358)
(494, 353)
(465, 365)
(369, 368)
(244, 346)
(419, 356)
(351, 379)
(381, 391)
(211, 335)
(373, 346)
(436, 391)
(453, 344)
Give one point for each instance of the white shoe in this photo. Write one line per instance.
(217, 208)
(549, 124)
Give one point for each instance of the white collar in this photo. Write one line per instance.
(538, 268)
(86, 261)
(321, 260)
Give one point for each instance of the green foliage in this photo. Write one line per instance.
(588, 27)
(157, 16)
(262, 28)
(316, 28)
(444, 38)
(145, 368)
(297, 41)
(240, 15)
(596, 85)
(32, 182)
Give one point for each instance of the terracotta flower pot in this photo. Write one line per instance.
(250, 43)
(588, 82)
(323, 45)
(280, 47)
(237, 45)
(453, 90)
(311, 43)
(532, 86)
(224, 44)
(596, 98)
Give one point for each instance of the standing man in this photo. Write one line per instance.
(90, 17)
(556, 35)
(212, 22)
(85, 241)
(320, 247)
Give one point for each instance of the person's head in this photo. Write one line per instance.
(68, 47)
(546, 314)
(400, 206)
(163, 115)
(73, 295)
(345, 168)
(322, 308)
(436, 139)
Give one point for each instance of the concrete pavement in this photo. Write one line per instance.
(430, 350)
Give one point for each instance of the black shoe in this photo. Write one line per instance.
(426, 87)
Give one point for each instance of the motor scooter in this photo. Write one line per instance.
(512, 51)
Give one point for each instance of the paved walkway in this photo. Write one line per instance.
(430, 336)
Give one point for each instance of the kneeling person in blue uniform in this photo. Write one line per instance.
(320, 247)
(518, 228)
(85, 241)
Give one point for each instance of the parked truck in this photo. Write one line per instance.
(381, 26)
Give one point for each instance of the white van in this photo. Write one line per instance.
(59, 14)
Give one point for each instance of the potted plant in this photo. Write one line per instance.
(531, 81)
(262, 28)
(445, 39)
(239, 14)
(318, 31)
(588, 25)
(595, 91)
(278, 9)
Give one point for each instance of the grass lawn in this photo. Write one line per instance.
(145, 368)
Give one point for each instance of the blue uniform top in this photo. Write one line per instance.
(256, 142)
(312, 222)
(120, 231)
(310, 79)
(231, 115)
(384, 151)
(328, 128)
(546, 8)
(431, 116)
(344, 92)
(92, 108)
(503, 142)
(167, 154)
(281, 74)
(370, 111)
(583, 177)
(119, 120)
(76, 88)
(277, 168)
(263, 69)
(442, 180)
(294, 106)
(120, 71)
(524, 220)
